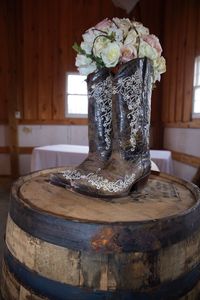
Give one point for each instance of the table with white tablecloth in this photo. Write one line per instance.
(57, 156)
(163, 159)
(70, 155)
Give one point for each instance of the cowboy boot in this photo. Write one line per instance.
(129, 165)
(99, 86)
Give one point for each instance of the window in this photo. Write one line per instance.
(196, 89)
(76, 96)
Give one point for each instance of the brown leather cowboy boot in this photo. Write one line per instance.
(99, 128)
(129, 165)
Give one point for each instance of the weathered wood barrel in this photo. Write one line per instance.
(61, 245)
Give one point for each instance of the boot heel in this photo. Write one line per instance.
(140, 184)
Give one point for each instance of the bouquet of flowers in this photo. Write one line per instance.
(117, 41)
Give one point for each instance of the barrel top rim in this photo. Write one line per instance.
(191, 187)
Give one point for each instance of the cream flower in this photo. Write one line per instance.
(117, 41)
(124, 24)
(89, 36)
(100, 43)
(86, 47)
(86, 70)
(159, 66)
(111, 55)
(104, 24)
(85, 65)
(145, 50)
(153, 41)
(128, 53)
(117, 32)
(131, 38)
(140, 28)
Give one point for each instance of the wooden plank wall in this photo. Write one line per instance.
(49, 30)
(181, 45)
(45, 32)
(4, 64)
(151, 14)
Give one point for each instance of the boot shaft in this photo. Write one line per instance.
(131, 108)
(100, 113)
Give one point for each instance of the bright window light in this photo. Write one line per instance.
(196, 89)
(76, 96)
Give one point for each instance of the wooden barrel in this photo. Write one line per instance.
(63, 245)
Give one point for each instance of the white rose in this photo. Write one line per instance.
(86, 47)
(118, 33)
(124, 24)
(82, 60)
(111, 55)
(145, 50)
(104, 25)
(86, 70)
(85, 64)
(131, 38)
(89, 36)
(100, 43)
(140, 28)
(128, 53)
(159, 66)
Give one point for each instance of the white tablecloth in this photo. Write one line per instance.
(163, 159)
(70, 155)
(57, 156)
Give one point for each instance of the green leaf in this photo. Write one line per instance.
(78, 48)
(112, 36)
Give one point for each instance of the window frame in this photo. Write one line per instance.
(195, 86)
(68, 115)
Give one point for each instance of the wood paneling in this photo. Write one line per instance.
(47, 34)
(4, 64)
(49, 31)
(180, 53)
(46, 31)
(189, 59)
(61, 51)
(186, 159)
(143, 12)
(197, 38)
(11, 22)
(30, 32)
(180, 47)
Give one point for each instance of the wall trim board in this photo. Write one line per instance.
(4, 150)
(20, 150)
(4, 176)
(192, 124)
(186, 158)
(71, 121)
(26, 150)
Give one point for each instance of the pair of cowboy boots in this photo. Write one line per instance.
(119, 120)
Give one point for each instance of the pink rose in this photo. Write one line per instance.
(103, 24)
(128, 53)
(153, 41)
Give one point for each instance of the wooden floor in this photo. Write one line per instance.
(5, 184)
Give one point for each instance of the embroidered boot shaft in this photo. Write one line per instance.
(99, 128)
(129, 163)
